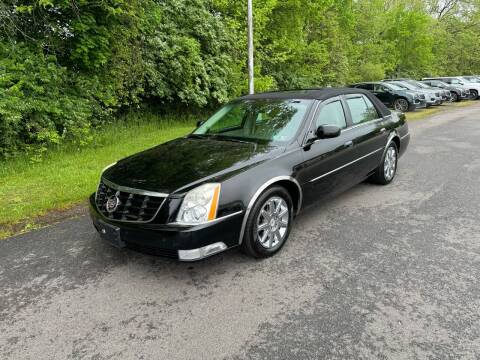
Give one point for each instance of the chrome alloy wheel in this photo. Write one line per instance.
(272, 222)
(401, 105)
(390, 163)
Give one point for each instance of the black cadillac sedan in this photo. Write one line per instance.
(242, 176)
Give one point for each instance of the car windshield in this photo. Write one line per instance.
(473, 79)
(422, 85)
(413, 84)
(393, 86)
(405, 85)
(440, 83)
(259, 120)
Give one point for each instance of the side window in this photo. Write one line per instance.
(380, 88)
(362, 109)
(332, 114)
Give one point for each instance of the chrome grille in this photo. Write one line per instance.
(131, 207)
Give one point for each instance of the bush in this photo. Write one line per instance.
(39, 104)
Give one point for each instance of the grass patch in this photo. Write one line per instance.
(68, 175)
(423, 113)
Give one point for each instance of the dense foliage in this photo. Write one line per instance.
(67, 66)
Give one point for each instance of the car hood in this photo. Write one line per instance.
(182, 163)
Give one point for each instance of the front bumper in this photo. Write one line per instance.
(186, 243)
(420, 103)
(434, 101)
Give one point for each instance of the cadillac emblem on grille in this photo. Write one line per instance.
(112, 203)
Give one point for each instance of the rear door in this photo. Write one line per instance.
(368, 132)
(324, 170)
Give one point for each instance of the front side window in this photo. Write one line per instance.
(332, 114)
(361, 109)
(263, 120)
(380, 88)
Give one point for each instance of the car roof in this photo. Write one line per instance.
(319, 94)
(369, 82)
(316, 94)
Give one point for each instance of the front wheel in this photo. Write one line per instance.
(269, 223)
(401, 104)
(473, 94)
(388, 167)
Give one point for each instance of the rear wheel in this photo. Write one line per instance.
(453, 96)
(388, 167)
(269, 223)
(401, 104)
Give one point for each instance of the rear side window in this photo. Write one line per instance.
(362, 109)
(332, 114)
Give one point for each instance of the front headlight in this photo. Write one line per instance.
(199, 205)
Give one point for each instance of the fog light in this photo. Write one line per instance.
(200, 253)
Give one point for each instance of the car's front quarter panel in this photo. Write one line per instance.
(241, 188)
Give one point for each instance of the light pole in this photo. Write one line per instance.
(251, 88)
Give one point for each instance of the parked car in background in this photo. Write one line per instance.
(394, 96)
(473, 78)
(432, 97)
(444, 94)
(457, 92)
(474, 88)
(242, 176)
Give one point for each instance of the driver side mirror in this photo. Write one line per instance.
(200, 123)
(327, 131)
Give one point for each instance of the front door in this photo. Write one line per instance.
(383, 94)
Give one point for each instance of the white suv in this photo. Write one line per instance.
(458, 80)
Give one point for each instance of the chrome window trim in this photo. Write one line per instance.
(259, 192)
(133, 190)
(345, 165)
(335, 98)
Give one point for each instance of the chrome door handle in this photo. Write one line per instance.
(348, 143)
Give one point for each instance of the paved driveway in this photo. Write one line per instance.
(380, 272)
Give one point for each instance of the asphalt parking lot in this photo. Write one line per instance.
(378, 273)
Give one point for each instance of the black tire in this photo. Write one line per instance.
(251, 244)
(454, 97)
(473, 94)
(380, 177)
(401, 104)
